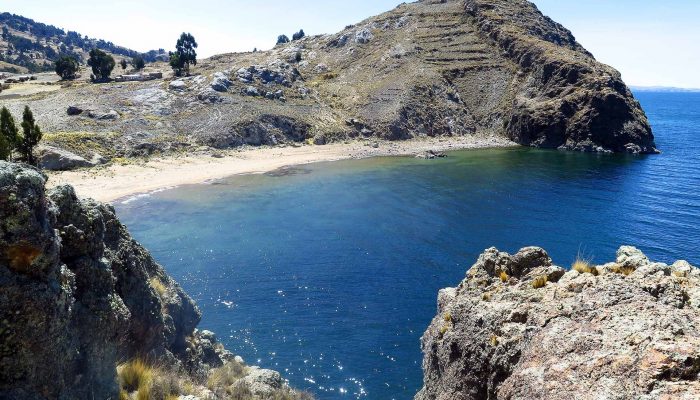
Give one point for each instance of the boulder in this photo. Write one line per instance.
(220, 82)
(74, 110)
(519, 327)
(55, 159)
(363, 36)
(178, 86)
(262, 382)
(431, 154)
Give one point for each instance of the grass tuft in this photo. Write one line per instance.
(584, 266)
(623, 270)
(540, 282)
(504, 277)
(448, 317)
(134, 375)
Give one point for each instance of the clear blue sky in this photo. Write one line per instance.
(652, 42)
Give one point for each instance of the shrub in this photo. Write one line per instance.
(299, 35)
(504, 277)
(623, 270)
(138, 62)
(122, 63)
(282, 39)
(66, 67)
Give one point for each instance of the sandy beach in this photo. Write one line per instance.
(116, 181)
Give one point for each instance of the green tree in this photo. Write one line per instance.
(138, 62)
(9, 135)
(66, 67)
(30, 138)
(184, 54)
(122, 63)
(102, 64)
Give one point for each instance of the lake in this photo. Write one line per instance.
(329, 272)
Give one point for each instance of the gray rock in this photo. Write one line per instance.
(251, 91)
(262, 382)
(103, 115)
(178, 86)
(431, 154)
(55, 159)
(363, 36)
(220, 82)
(507, 333)
(78, 296)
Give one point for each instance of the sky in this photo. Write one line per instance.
(652, 42)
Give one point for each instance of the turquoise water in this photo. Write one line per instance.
(330, 273)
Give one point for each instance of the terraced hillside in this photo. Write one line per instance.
(430, 68)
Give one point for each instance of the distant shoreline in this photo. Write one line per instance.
(116, 181)
(663, 89)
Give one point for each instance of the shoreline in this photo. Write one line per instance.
(114, 182)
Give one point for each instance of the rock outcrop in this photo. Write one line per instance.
(78, 295)
(519, 327)
(429, 68)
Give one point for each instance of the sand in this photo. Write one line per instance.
(118, 181)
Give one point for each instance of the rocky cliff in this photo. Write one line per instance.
(430, 68)
(78, 296)
(519, 327)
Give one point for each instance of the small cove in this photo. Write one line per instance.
(329, 272)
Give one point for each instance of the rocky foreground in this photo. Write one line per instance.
(78, 297)
(482, 68)
(519, 327)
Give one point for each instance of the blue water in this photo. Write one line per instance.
(330, 274)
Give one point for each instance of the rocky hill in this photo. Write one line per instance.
(519, 327)
(78, 296)
(30, 46)
(431, 68)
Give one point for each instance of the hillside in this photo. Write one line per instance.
(481, 68)
(30, 46)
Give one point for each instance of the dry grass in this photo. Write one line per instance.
(134, 375)
(504, 277)
(448, 317)
(540, 282)
(623, 270)
(158, 286)
(494, 340)
(223, 377)
(584, 266)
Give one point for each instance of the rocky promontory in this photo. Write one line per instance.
(520, 327)
(81, 303)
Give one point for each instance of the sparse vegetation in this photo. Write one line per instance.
(101, 63)
(184, 55)
(584, 266)
(540, 282)
(504, 277)
(223, 377)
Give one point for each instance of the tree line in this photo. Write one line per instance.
(102, 63)
(13, 142)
